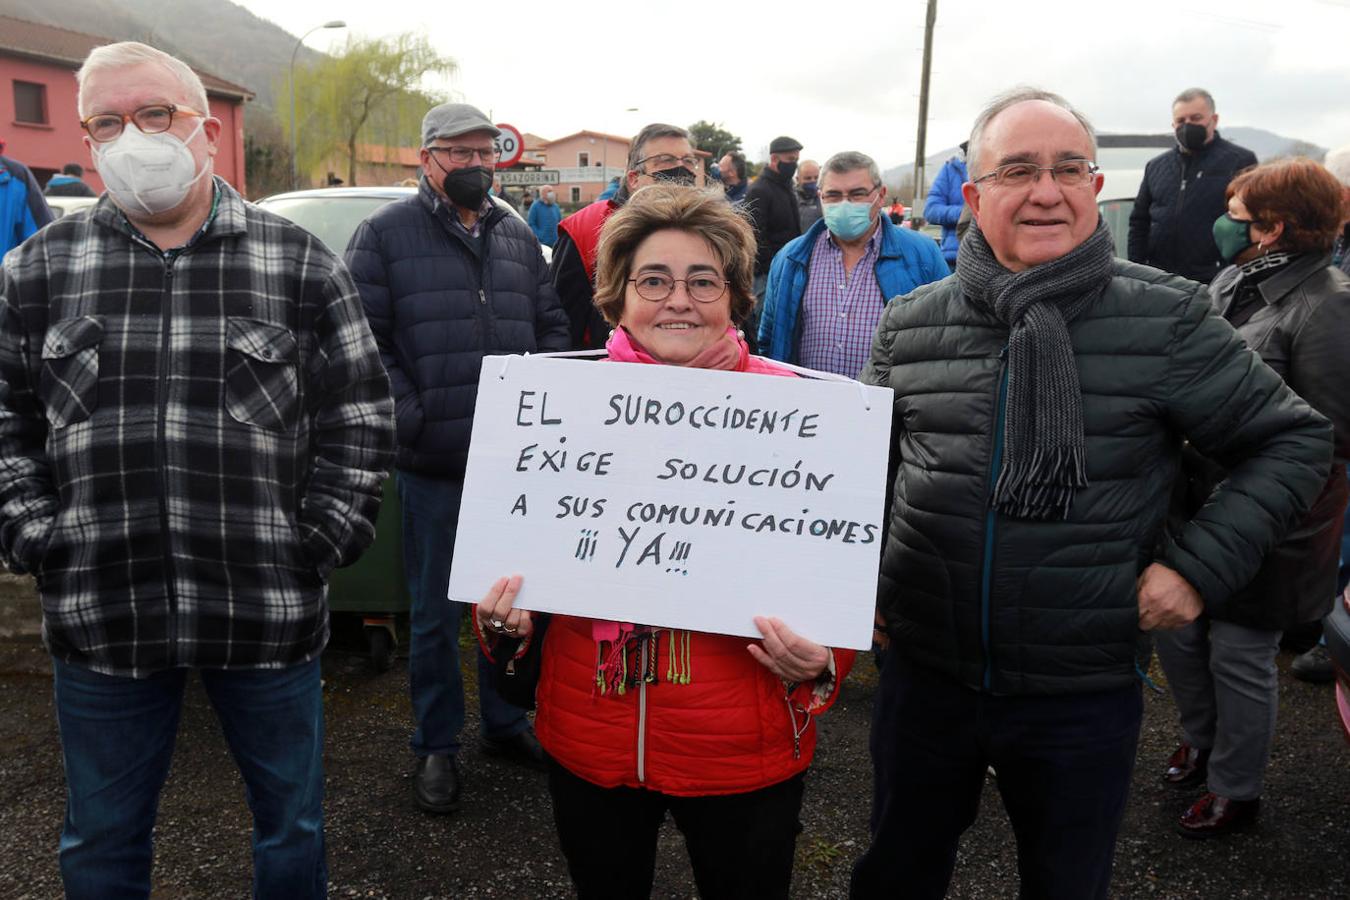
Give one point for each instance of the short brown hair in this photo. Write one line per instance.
(659, 207)
(1298, 192)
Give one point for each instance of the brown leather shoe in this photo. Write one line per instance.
(1213, 816)
(1187, 766)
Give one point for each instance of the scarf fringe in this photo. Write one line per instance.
(615, 672)
(1043, 486)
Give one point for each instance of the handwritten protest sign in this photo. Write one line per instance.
(676, 497)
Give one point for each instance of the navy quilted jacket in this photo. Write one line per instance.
(437, 305)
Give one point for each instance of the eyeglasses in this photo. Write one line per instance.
(1067, 173)
(666, 161)
(104, 127)
(462, 155)
(655, 286)
(857, 195)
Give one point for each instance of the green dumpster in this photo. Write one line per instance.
(374, 587)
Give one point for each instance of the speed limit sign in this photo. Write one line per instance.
(511, 145)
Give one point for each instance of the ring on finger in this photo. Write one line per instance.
(497, 624)
(510, 629)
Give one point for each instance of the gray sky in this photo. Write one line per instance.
(852, 81)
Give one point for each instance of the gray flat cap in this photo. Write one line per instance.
(453, 119)
(784, 144)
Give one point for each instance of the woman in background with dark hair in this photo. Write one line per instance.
(1292, 308)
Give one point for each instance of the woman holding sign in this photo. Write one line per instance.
(640, 720)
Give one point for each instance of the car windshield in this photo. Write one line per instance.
(332, 220)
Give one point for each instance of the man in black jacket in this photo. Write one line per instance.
(1183, 193)
(772, 204)
(1041, 397)
(447, 277)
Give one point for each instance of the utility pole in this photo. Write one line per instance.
(920, 145)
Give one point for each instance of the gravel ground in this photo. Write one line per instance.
(501, 844)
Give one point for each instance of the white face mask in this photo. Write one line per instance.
(148, 173)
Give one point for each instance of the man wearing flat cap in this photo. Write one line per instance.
(447, 276)
(772, 204)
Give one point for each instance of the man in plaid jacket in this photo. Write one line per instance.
(194, 429)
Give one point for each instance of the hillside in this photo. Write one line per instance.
(219, 37)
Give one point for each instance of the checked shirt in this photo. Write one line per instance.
(840, 310)
(189, 441)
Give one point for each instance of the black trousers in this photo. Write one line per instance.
(740, 845)
(1063, 768)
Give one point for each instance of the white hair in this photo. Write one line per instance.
(133, 53)
(1338, 164)
(1012, 98)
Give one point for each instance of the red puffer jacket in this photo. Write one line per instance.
(696, 715)
(733, 727)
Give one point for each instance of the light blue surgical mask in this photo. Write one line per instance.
(847, 221)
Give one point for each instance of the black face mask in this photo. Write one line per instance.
(787, 169)
(677, 175)
(1191, 136)
(468, 187)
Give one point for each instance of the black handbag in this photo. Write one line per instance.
(515, 678)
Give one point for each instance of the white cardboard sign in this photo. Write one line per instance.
(683, 498)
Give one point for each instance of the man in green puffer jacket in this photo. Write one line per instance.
(1041, 400)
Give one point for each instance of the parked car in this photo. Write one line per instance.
(64, 206)
(1123, 168)
(332, 214)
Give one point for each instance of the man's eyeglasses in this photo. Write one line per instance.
(105, 127)
(461, 155)
(1067, 173)
(857, 195)
(656, 286)
(666, 161)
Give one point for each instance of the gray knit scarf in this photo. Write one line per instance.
(1044, 460)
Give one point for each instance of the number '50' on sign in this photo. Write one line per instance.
(510, 145)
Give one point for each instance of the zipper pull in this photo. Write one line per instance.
(1003, 354)
(511, 666)
(482, 298)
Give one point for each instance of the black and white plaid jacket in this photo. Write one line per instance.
(189, 442)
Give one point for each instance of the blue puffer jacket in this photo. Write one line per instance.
(22, 209)
(945, 202)
(907, 260)
(438, 305)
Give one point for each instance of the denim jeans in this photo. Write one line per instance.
(430, 515)
(117, 737)
(1063, 764)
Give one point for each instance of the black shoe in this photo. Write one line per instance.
(1314, 666)
(522, 748)
(437, 783)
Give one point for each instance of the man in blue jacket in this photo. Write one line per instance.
(22, 209)
(945, 203)
(544, 218)
(827, 288)
(448, 277)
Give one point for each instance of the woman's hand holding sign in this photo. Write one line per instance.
(787, 654)
(497, 613)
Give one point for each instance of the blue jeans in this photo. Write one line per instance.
(1063, 764)
(430, 514)
(117, 737)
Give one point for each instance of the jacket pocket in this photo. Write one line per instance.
(262, 387)
(68, 384)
